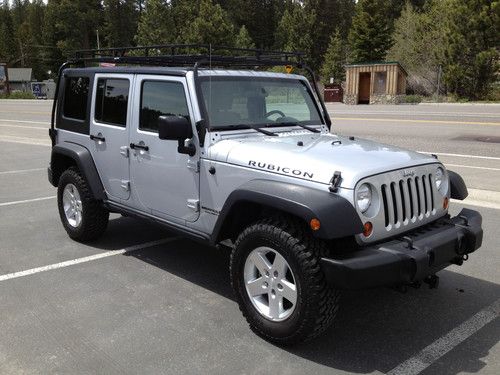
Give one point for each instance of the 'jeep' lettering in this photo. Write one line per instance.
(277, 168)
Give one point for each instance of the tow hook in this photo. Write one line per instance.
(432, 281)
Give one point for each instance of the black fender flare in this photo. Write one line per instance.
(83, 160)
(337, 216)
(458, 189)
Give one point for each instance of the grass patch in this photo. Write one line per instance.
(18, 95)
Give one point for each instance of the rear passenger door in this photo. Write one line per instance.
(110, 119)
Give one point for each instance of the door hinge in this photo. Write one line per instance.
(194, 165)
(125, 185)
(124, 151)
(194, 204)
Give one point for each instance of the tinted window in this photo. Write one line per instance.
(75, 97)
(111, 101)
(161, 99)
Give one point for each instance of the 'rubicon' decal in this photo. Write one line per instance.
(277, 168)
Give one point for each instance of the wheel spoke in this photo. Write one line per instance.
(261, 262)
(289, 291)
(274, 306)
(78, 217)
(280, 265)
(255, 287)
(68, 210)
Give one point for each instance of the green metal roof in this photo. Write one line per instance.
(379, 63)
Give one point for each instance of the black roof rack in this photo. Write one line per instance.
(188, 55)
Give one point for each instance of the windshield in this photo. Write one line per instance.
(243, 101)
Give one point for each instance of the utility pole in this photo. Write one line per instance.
(439, 83)
(98, 41)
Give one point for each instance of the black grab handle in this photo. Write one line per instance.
(98, 138)
(133, 146)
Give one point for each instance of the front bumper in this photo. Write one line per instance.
(410, 258)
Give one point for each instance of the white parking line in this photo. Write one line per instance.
(90, 258)
(23, 126)
(25, 140)
(471, 166)
(460, 155)
(23, 171)
(26, 121)
(444, 344)
(26, 201)
(478, 203)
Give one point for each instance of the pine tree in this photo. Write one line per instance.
(331, 15)
(370, 34)
(243, 39)
(156, 24)
(120, 22)
(471, 56)
(333, 65)
(211, 26)
(7, 36)
(260, 18)
(73, 24)
(294, 31)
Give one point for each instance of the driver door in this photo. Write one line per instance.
(166, 182)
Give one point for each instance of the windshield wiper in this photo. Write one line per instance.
(293, 124)
(249, 126)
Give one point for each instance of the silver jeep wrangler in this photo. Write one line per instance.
(246, 157)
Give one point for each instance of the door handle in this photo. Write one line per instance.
(133, 146)
(97, 138)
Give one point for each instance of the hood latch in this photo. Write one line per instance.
(335, 182)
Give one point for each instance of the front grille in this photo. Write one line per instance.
(408, 200)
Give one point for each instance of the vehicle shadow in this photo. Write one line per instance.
(375, 330)
(123, 232)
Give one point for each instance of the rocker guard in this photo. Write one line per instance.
(421, 253)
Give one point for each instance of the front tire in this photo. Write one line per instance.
(278, 281)
(83, 217)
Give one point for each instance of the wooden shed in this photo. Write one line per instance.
(377, 82)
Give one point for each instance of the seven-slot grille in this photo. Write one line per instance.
(408, 200)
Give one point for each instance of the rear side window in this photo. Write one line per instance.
(111, 101)
(161, 99)
(76, 94)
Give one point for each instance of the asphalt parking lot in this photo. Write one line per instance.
(141, 300)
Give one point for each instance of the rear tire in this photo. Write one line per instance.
(83, 217)
(299, 317)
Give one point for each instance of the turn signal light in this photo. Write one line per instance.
(315, 224)
(367, 229)
(446, 202)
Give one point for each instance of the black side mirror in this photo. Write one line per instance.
(174, 128)
(177, 128)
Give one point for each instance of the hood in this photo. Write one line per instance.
(315, 157)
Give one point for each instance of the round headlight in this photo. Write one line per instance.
(364, 197)
(439, 177)
(441, 181)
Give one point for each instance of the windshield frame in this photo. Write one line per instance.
(230, 77)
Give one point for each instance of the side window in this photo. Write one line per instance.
(76, 94)
(111, 101)
(161, 99)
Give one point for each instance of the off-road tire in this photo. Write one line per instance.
(94, 216)
(317, 303)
